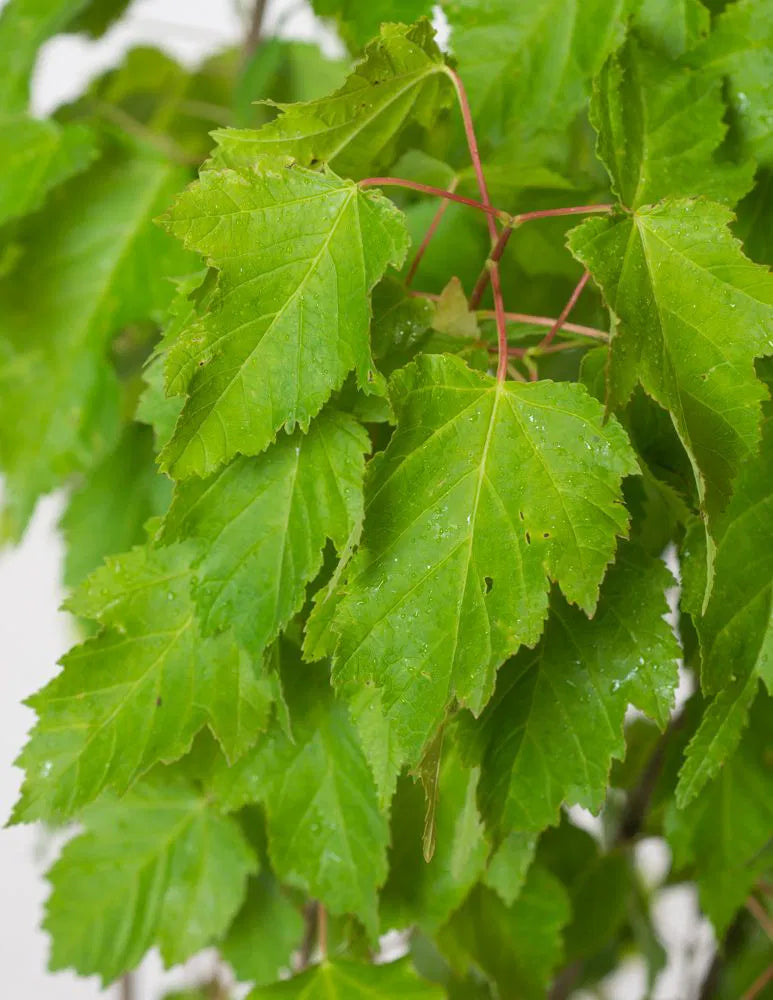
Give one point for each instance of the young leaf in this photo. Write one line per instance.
(741, 48)
(91, 264)
(659, 127)
(693, 313)
(556, 720)
(725, 831)
(401, 80)
(298, 253)
(147, 683)
(160, 866)
(528, 67)
(485, 492)
(263, 523)
(341, 980)
(326, 832)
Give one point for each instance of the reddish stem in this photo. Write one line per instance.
(513, 317)
(548, 338)
(759, 984)
(429, 189)
(492, 264)
(483, 278)
(441, 211)
(548, 213)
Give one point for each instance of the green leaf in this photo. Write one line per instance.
(139, 691)
(741, 48)
(161, 866)
(326, 832)
(266, 931)
(427, 892)
(91, 264)
(659, 127)
(108, 511)
(556, 720)
(24, 26)
(359, 22)
(692, 314)
(37, 155)
(528, 67)
(735, 629)
(263, 523)
(725, 831)
(98, 16)
(516, 947)
(298, 253)
(401, 80)
(485, 492)
(672, 26)
(342, 980)
(509, 865)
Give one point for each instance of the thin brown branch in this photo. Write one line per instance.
(528, 319)
(759, 984)
(429, 189)
(255, 31)
(322, 931)
(126, 987)
(759, 913)
(549, 213)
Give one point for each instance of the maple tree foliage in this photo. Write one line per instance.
(392, 396)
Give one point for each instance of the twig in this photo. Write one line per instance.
(309, 933)
(429, 189)
(255, 30)
(529, 320)
(760, 915)
(436, 219)
(759, 984)
(548, 338)
(322, 931)
(127, 987)
(483, 278)
(548, 213)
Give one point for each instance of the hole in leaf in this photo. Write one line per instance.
(520, 514)
(488, 583)
(528, 538)
(546, 534)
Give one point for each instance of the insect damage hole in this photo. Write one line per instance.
(488, 583)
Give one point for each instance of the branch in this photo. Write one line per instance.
(759, 984)
(429, 189)
(255, 31)
(548, 338)
(495, 255)
(441, 211)
(322, 931)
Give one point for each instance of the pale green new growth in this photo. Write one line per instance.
(485, 492)
(298, 253)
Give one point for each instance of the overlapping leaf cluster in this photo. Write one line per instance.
(360, 620)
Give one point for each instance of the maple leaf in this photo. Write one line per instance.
(342, 980)
(486, 492)
(263, 523)
(298, 253)
(136, 874)
(556, 720)
(326, 831)
(481, 932)
(659, 126)
(90, 265)
(37, 155)
(527, 68)
(139, 691)
(729, 855)
(740, 47)
(735, 631)
(692, 315)
(401, 80)
(672, 25)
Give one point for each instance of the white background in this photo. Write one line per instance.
(33, 634)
